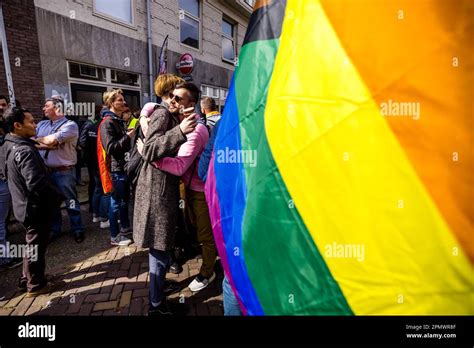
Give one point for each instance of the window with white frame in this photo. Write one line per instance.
(228, 42)
(101, 75)
(189, 22)
(121, 10)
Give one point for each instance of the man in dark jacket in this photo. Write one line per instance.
(98, 202)
(33, 194)
(113, 143)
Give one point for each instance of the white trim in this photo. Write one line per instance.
(115, 19)
(108, 79)
(81, 82)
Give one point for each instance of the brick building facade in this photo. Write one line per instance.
(23, 48)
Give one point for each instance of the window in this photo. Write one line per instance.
(121, 10)
(228, 46)
(88, 72)
(189, 22)
(88, 82)
(124, 78)
(218, 94)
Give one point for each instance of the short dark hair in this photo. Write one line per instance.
(12, 115)
(57, 101)
(194, 92)
(5, 97)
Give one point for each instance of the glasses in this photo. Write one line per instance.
(175, 97)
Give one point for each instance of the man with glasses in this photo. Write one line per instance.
(184, 97)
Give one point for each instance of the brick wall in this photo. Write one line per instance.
(25, 64)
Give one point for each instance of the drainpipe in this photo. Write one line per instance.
(150, 60)
(6, 59)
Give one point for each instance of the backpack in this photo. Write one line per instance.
(134, 161)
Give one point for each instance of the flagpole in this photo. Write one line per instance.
(162, 60)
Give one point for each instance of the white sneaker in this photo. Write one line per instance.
(96, 219)
(105, 224)
(120, 240)
(201, 282)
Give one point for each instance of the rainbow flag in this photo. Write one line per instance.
(341, 181)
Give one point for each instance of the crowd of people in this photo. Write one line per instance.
(156, 163)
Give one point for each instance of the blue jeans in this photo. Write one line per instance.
(65, 181)
(158, 263)
(119, 203)
(4, 206)
(231, 306)
(100, 202)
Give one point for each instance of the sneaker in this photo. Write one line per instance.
(120, 240)
(175, 268)
(126, 231)
(167, 308)
(96, 218)
(48, 288)
(105, 224)
(161, 310)
(200, 282)
(21, 285)
(171, 287)
(79, 237)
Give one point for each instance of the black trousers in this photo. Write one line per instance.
(37, 226)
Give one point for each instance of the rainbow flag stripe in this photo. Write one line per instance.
(341, 177)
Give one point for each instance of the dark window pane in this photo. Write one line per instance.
(87, 72)
(227, 28)
(190, 32)
(190, 6)
(228, 49)
(124, 78)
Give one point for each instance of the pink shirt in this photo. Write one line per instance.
(185, 161)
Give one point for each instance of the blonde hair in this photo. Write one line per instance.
(165, 84)
(110, 96)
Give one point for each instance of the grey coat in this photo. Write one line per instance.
(157, 192)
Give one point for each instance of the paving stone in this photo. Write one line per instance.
(6, 311)
(125, 299)
(102, 306)
(140, 292)
(86, 309)
(117, 289)
(15, 301)
(136, 307)
(97, 298)
(23, 306)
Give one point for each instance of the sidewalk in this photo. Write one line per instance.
(103, 280)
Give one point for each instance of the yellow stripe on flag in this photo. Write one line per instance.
(382, 236)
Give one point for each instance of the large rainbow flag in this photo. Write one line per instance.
(341, 181)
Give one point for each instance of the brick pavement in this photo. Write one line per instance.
(113, 281)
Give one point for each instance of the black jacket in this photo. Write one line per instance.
(88, 143)
(28, 180)
(115, 140)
